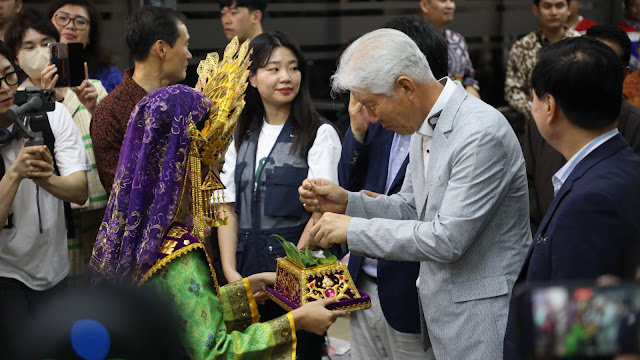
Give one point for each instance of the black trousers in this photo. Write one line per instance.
(310, 346)
(17, 303)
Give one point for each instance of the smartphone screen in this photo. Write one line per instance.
(585, 321)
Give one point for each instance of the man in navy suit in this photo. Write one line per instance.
(375, 159)
(591, 227)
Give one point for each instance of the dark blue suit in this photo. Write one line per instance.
(590, 229)
(364, 166)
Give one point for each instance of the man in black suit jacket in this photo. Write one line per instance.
(543, 161)
(591, 227)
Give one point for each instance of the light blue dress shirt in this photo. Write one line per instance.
(562, 175)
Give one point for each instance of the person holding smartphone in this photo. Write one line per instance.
(29, 37)
(79, 21)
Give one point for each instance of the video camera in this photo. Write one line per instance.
(48, 98)
(31, 100)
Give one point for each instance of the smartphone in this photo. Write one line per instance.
(577, 320)
(68, 58)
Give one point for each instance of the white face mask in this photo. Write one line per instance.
(32, 62)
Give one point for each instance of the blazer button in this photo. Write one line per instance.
(541, 239)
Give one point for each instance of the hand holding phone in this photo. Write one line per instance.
(49, 79)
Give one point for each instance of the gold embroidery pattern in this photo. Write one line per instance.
(168, 246)
(176, 232)
(284, 337)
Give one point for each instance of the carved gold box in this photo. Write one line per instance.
(296, 286)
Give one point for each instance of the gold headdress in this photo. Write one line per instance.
(224, 82)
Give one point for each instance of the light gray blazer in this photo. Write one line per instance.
(467, 223)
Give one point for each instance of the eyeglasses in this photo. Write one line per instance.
(10, 79)
(63, 19)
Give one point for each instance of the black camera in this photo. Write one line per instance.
(48, 98)
(28, 103)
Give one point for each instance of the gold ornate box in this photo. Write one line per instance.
(296, 286)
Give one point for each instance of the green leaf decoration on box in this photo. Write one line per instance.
(305, 259)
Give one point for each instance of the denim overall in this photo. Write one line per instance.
(271, 207)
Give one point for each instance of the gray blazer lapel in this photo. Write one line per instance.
(448, 115)
(438, 146)
(416, 171)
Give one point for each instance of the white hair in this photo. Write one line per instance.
(373, 62)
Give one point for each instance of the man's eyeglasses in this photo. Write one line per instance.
(63, 19)
(10, 79)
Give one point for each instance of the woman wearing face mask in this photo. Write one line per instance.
(280, 141)
(79, 21)
(28, 36)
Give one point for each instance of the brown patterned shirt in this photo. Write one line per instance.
(109, 125)
(522, 59)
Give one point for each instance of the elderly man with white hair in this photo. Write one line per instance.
(463, 208)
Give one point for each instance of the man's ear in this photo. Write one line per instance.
(160, 49)
(406, 86)
(535, 10)
(552, 109)
(256, 16)
(18, 5)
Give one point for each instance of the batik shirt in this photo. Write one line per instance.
(460, 66)
(109, 125)
(522, 59)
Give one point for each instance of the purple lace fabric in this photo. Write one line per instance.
(145, 194)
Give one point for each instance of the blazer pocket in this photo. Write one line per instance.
(281, 197)
(479, 289)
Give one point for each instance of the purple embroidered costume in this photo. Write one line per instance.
(146, 236)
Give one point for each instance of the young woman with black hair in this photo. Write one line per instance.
(280, 141)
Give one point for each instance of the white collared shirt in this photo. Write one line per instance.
(562, 175)
(425, 129)
(449, 87)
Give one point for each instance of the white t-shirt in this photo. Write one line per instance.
(40, 261)
(323, 156)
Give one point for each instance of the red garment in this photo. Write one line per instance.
(627, 27)
(109, 125)
(583, 25)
